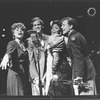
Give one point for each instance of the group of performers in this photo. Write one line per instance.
(49, 65)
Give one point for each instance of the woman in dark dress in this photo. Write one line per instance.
(16, 59)
(61, 69)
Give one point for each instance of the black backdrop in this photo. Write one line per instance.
(89, 26)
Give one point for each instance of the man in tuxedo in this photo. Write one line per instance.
(36, 46)
(82, 67)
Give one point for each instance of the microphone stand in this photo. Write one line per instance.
(38, 65)
(40, 82)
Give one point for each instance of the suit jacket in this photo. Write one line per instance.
(36, 53)
(82, 65)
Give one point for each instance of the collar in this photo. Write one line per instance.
(71, 33)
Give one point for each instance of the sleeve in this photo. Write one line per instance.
(83, 52)
(10, 48)
(7, 56)
(55, 62)
(84, 47)
(26, 43)
(56, 42)
(79, 59)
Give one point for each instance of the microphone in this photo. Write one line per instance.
(33, 34)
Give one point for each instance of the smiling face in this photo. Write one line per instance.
(18, 32)
(55, 29)
(66, 27)
(37, 26)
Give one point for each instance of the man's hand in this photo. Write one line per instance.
(78, 80)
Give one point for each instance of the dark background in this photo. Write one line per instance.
(89, 26)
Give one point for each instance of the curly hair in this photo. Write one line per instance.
(17, 25)
(58, 22)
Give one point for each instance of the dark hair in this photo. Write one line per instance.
(37, 19)
(71, 21)
(58, 22)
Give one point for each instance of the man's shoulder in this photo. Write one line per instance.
(80, 36)
(77, 34)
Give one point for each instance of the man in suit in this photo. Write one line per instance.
(82, 67)
(36, 46)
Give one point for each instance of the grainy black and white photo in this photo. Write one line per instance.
(49, 49)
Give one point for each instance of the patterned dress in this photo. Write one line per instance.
(60, 67)
(17, 78)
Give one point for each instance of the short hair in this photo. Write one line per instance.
(37, 19)
(17, 25)
(71, 21)
(58, 22)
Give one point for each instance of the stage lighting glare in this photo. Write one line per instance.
(3, 35)
(91, 11)
(3, 29)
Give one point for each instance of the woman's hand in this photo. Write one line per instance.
(55, 77)
(5, 62)
(69, 60)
